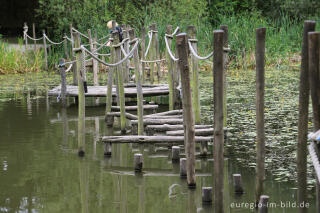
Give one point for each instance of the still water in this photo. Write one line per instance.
(41, 172)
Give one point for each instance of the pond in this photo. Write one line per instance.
(40, 170)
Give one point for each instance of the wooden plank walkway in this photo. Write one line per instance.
(101, 91)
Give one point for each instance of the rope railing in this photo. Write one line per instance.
(103, 45)
(100, 39)
(29, 37)
(80, 33)
(169, 49)
(52, 42)
(149, 44)
(115, 64)
(196, 55)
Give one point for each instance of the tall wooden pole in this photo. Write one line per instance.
(143, 50)
(188, 120)
(170, 63)
(65, 46)
(63, 82)
(34, 36)
(81, 98)
(309, 26)
(45, 50)
(260, 82)
(313, 46)
(225, 61)
(151, 54)
(157, 51)
(138, 73)
(218, 121)
(25, 30)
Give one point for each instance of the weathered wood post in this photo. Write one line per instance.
(188, 120)
(72, 55)
(81, 98)
(176, 79)
(263, 204)
(313, 53)
(92, 43)
(151, 53)
(218, 121)
(225, 62)
(25, 31)
(175, 153)
(109, 118)
(45, 50)
(260, 79)
(120, 83)
(237, 182)
(309, 26)
(183, 167)
(138, 162)
(34, 37)
(207, 195)
(157, 50)
(126, 65)
(63, 82)
(143, 50)
(138, 73)
(107, 151)
(170, 63)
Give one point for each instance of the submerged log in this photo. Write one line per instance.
(150, 139)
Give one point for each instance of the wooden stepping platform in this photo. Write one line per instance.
(101, 91)
(151, 139)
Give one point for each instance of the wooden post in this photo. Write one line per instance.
(151, 53)
(65, 46)
(263, 204)
(237, 182)
(218, 121)
(309, 26)
(94, 61)
(81, 97)
(170, 63)
(126, 64)
(195, 75)
(109, 119)
(183, 167)
(138, 72)
(260, 79)
(143, 50)
(45, 50)
(107, 149)
(225, 61)
(313, 46)
(138, 162)
(157, 51)
(63, 82)
(188, 120)
(175, 153)
(34, 36)
(74, 71)
(207, 195)
(176, 76)
(120, 85)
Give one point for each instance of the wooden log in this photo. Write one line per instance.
(176, 74)
(143, 50)
(81, 104)
(63, 83)
(171, 112)
(166, 117)
(175, 153)
(198, 132)
(150, 121)
(34, 37)
(225, 62)
(207, 195)
(157, 51)
(188, 120)
(195, 75)
(151, 53)
(170, 63)
(167, 127)
(45, 50)
(218, 173)
(135, 108)
(263, 204)
(120, 84)
(237, 182)
(118, 114)
(150, 139)
(126, 64)
(138, 73)
(183, 167)
(138, 162)
(260, 79)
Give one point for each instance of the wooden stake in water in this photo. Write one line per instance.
(260, 76)
(81, 97)
(151, 53)
(188, 120)
(45, 50)
(120, 84)
(170, 63)
(218, 121)
(143, 50)
(309, 26)
(157, 51)
(63, 82)
(34, 36)
(138, 73)
(225, 61)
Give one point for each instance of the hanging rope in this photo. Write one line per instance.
(80, 33)
(115, 64)
(55, 43)
(169, 49)
(149, 44)
(34, 39)
(103, 38)
(196, 55)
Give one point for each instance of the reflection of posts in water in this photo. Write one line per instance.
(29, 105)
(84, 184)
(191, 201)
(96, 136)
(65, 125)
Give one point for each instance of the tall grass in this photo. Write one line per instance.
(15, 61)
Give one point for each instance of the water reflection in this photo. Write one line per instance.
(41, 172)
